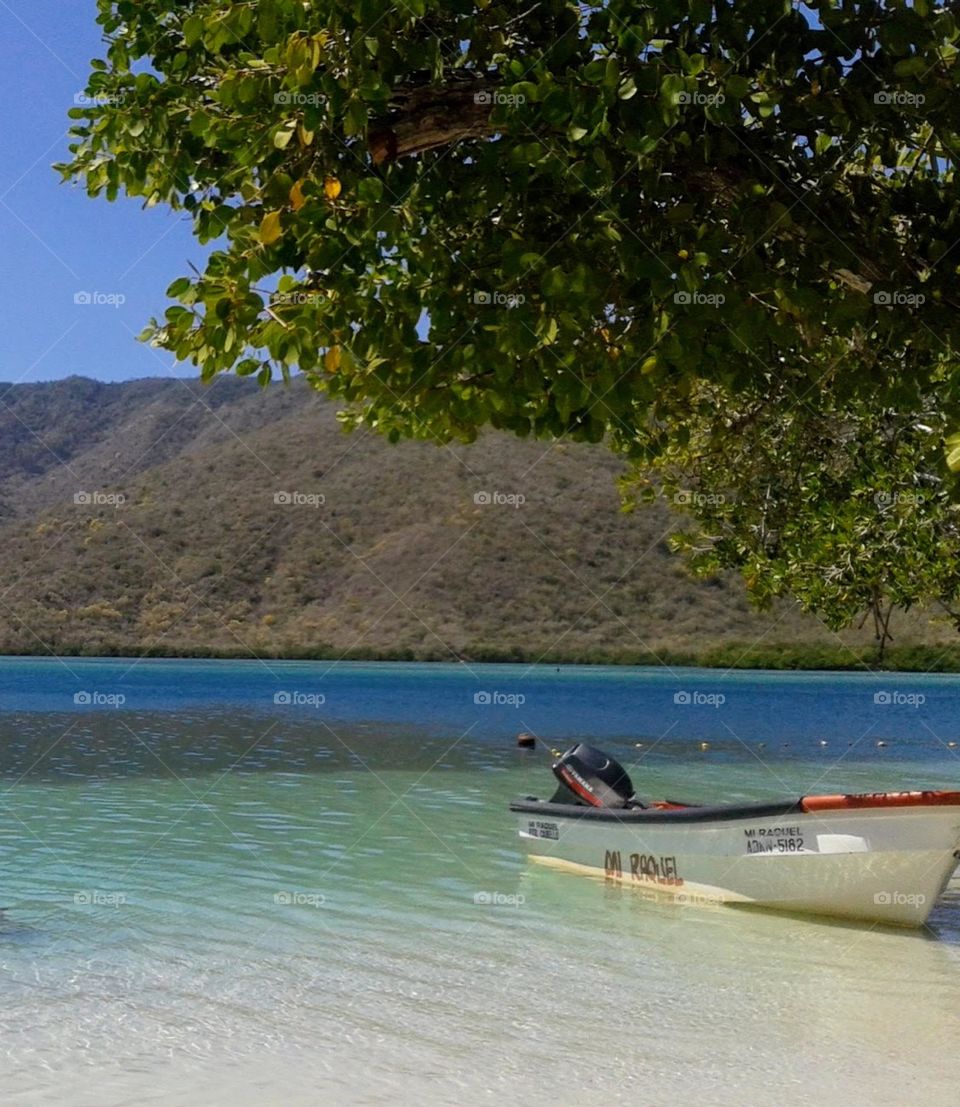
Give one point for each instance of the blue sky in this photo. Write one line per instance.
(54, 240)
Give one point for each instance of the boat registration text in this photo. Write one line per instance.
(774, 839)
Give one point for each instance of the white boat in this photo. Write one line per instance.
(881, 857)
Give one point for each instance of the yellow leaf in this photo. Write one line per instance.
(297, 199)
(952, 450)
(305, 137)
(331, 359)
(319, 42)
(649, 365)
(270, 229)
(331, 188)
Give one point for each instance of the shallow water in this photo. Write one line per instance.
(215, 898)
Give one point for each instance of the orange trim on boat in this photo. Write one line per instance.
(880, 799)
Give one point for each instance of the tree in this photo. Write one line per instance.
(550, 218)
(843, 507)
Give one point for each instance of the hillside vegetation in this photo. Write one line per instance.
(164, 517)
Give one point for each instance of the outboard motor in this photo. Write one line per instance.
(589, 776)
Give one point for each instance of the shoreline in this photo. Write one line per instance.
(739, 656)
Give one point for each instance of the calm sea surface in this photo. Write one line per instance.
(241, 883)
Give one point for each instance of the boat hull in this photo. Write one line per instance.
(874, 864)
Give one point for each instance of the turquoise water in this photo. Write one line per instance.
(241, 883)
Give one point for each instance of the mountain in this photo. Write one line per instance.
(168, 517)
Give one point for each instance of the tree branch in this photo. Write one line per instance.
(434, 116)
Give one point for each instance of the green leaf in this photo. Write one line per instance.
(671, 88)
(912, 67)
(355, 119)
(179, 286)
(193, 30)
(370, 190)
(737, 86)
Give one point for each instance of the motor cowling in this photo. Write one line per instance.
(590, 776)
